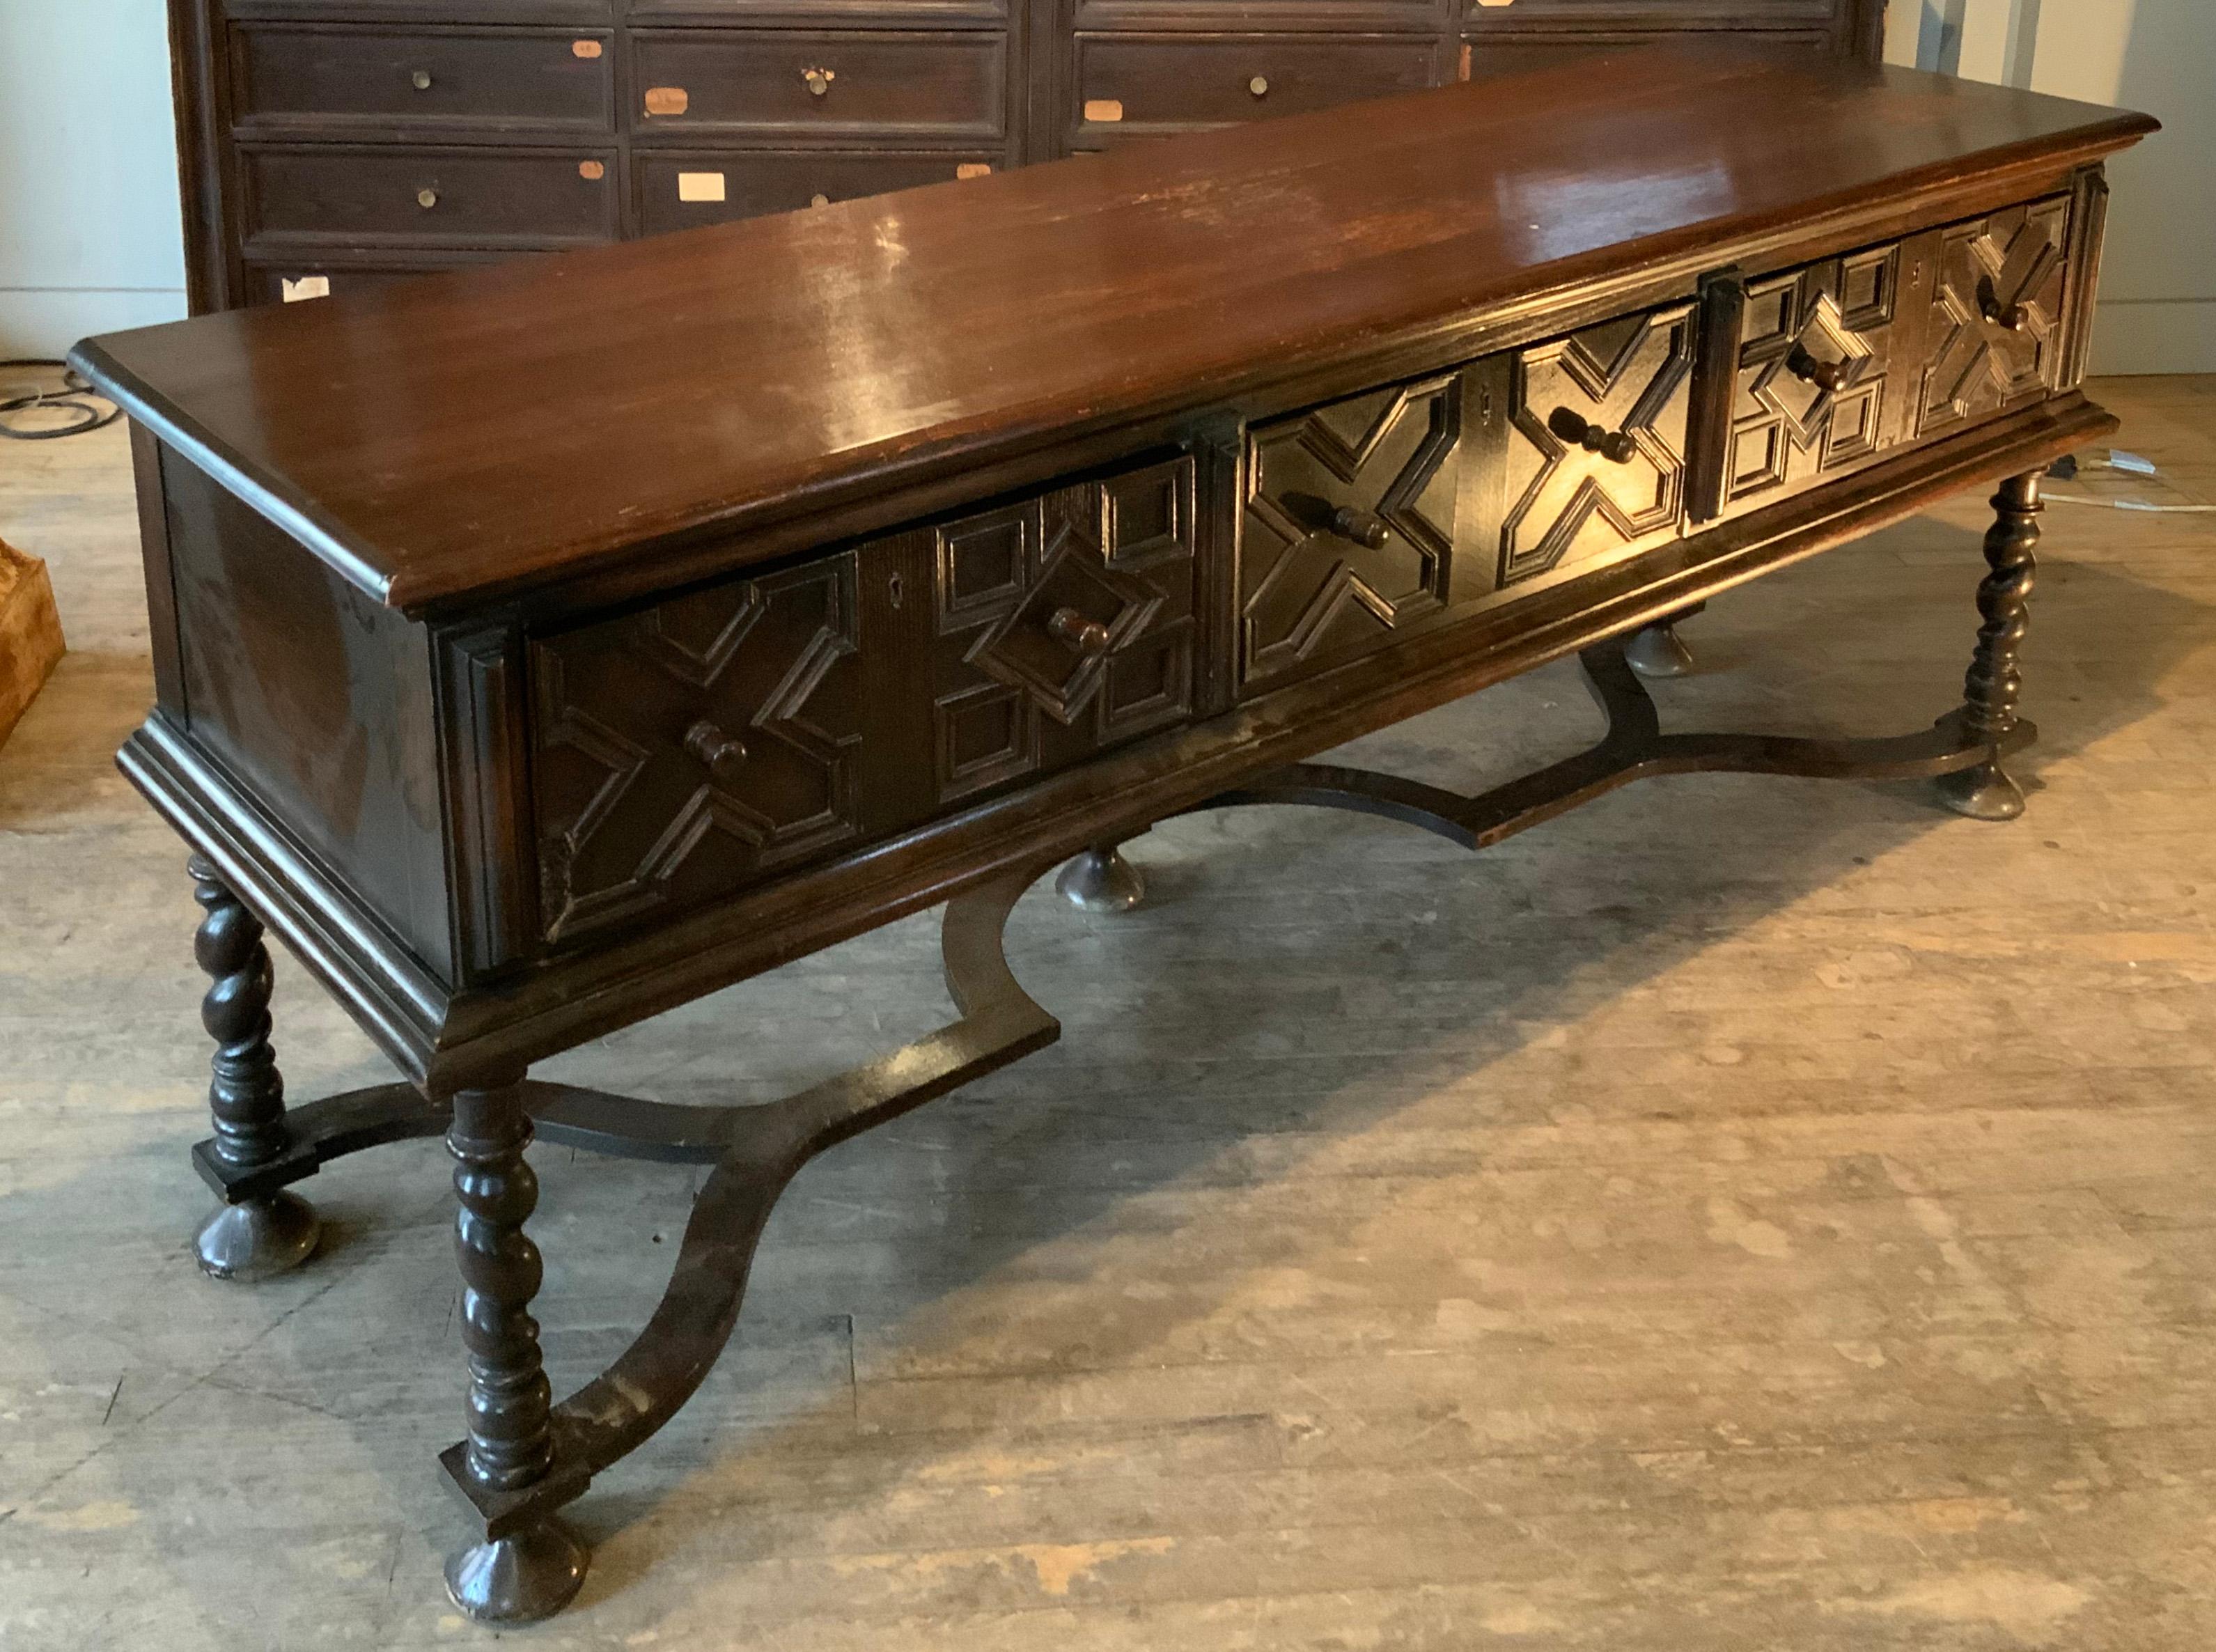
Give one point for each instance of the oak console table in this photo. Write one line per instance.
(541, 647)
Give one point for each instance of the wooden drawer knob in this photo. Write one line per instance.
(1830, 377)
(1259, 86)
(819, 81)
(1073, 629)
(819, 201)
(715, 750)
(1617, 446)
(426, 199)
(421, 80)
(1362, 526)
(2017, 318)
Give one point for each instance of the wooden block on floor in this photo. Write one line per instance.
(30, 634)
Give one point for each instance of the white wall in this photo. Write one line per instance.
(89, 239)
(2159, 284)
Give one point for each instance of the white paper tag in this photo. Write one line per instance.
(306, 286)
(699, 186)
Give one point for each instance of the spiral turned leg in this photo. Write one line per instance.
(1991, 686)
(1101, 880)
(532, 1572)
(257, 1237)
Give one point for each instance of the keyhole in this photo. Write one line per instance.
(893, 590)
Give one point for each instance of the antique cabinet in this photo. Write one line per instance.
(335, 145)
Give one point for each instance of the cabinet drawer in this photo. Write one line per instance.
(535, 198)
(1061, 626)
(682, 752)
(829, 84)
(1738, 15)
(1383, 514)
(1839, 361)
(1154, 83)
(684, 191)
(491, 79)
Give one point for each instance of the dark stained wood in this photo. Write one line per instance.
(892, 585)
(429, 441)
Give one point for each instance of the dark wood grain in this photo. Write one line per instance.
(447, 439)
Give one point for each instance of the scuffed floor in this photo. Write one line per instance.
(1744, 1215)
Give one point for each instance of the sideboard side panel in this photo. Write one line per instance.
(315, 697)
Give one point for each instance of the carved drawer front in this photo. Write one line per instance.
(683, 191)
(684, 751)
(1349, 535)
(1062, 625)
(821, 84)
(500, 79)
(1594, 445)
(1994, 320)
(537, 198)
(1821, 387)
(1126, 82)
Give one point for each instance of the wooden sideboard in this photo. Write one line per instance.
(326, 146)
(541, 647)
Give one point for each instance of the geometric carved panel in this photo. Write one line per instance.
(1350, 524)
(1597, 443)
(1814, 369)
(680, 752)
(1995, 328)
(1012, 697)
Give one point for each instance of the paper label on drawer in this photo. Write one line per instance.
(584, 48)
(306, 286)
(699, 186)
(591, 171)
(971, 169)
(1104, 109)
(667, 100)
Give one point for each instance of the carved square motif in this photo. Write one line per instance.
(1147, 516)
(1037, 646)
(982, 563)
(1758, 457)
(985, 734)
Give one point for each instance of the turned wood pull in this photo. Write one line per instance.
(1614, 445)
(1259, 86)
(1831, 377)
(1362, 526)
(717, 751)
(1073, 629)
(2017, 318)
(426, 199)
(819, 201)
(421, 80)
(819, 81)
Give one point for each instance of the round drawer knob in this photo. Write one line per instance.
(1362, 526)
(421, 80)
(715, 750)
(426, 199)
(819, 201)
(819, 81)
(1259, 86)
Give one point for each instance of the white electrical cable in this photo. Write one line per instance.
(2126, 504)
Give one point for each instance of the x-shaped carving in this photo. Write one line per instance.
(1626, 393)
(1997, 324)
(1802, 406)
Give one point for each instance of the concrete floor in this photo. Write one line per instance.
(1743, 1214)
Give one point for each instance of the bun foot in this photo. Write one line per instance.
(1984, 793)
(257, 1240)
(520, 1578)
(1101, 880)
(1658, 651)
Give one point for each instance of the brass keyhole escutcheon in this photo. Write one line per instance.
(426, 199)
(819, 81)
(421, 80)
(1259, 86)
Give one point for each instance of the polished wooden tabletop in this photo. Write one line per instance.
(512, 426)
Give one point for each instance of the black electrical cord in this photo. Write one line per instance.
(75, 397)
